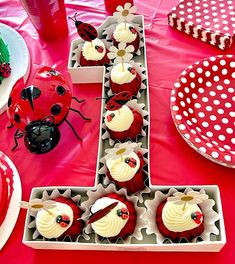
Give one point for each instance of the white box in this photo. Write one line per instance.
(93, 74)
(148, 243)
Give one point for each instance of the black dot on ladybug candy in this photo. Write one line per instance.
(82, 35)
(56, 109)
(9, 102)
(60, 90)
(30, 92)
(17, 118)
(90, 28)
(54, 73)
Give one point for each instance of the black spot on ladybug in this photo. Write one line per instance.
(17, 118)
(9, 102)
(30, 93)
(90, 28)
(82, 35)
(60, 90)
(56, 109)
(54, 73)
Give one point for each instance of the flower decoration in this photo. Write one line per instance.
(120, 150)
(122, 53)
(37, 204)
(192, 197)
(125, 14)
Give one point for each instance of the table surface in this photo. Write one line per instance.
(173, 162)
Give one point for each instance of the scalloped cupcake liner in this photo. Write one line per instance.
(210, 217)
(139, 108)
(100, 191)
(77, 53)
(103, 170)
(110, 29)
(139, 69)
(55, 194)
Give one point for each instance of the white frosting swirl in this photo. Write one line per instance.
(122, 33)
(90, 52)
(119, 76)
(46, 222)
(122, 120)
(111, 224)
(178, 220)
(120, 170)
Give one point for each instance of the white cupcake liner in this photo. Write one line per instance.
(55, 194)
(108, 31)
(101, 191)
(140, 70)
(139, 108)
(210, 216)
(77, 53)
(103, 170)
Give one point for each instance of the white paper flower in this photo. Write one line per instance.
(122, 53)
(120, 149)
(125, 13)
(38, 204)
(192, 197)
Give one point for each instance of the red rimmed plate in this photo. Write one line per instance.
(203, 108)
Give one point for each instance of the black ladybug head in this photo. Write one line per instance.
(41, 136)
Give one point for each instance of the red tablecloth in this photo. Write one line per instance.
(173, 162)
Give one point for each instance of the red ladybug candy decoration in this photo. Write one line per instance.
(5, 69)
(86, 31)
(116, 101)
(38, 109)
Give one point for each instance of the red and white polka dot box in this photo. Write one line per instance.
(212, 21)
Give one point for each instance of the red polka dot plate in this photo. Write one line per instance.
(203, 108)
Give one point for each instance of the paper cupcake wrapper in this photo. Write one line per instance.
(210, 216)
(140, 70)
(138, 107)
(110, 29)
(77, 53)
(103, 170)
(54, 194)
(101, 191)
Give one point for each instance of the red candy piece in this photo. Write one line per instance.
(118, 100)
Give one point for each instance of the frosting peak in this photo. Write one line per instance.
(125, 32)
(94, 50)
(119, 76)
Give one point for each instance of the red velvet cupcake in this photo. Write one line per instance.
(113, 217)
(124, 123)
(125, 32)
(125, 166)
(124, 79)
(180, 217)
(61, 220)
(94, 53)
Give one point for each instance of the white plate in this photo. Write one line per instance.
(19, 61)
(14, 209)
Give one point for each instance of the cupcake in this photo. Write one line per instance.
(179, 216)
(5, 69)
(122, 121)
(124, 77)
(125, 164)
(94, 53)
(113, 217)
(126, 32)
(55, 219)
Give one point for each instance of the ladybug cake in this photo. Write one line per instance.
(94, 53)
(113, 217)
(125, 164)
(126, 32)
(61, 220)
(180, 216)
(122, 121)
(124, 77)
(5, 69)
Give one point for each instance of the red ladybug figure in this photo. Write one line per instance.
(38, 109)
(86, 31)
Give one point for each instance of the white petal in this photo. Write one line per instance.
(127, 57)
(121, 45)
(119, 8)
(193, 193)
(133, 10)
(129, 17)
(127, 6)
(178, 194)
(113, 49)
(172, 199)
(118, 60)
(179, 202)
(117, 15)
(35, 201)
(24, 204)
(130, 48)
(112, 55)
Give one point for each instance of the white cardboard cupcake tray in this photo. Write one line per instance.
(148, 243)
